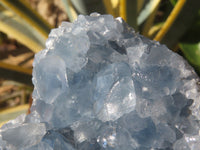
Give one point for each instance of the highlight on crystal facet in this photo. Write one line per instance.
(99, 85)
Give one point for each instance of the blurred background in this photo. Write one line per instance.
(25, 25)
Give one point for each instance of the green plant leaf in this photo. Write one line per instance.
(173, 2)
(75, 7)
(154, 29)
(13, 26)
(15, 73)
(12, 113)
(80, 6)
(140, 4)
(193, 33)
(72, 14)
(190, 45)
(149, 22)
(192, 52)
(182, 24)
(112, 7)
(28, 15)
(89, 6)
(146, 12)
(132, 13)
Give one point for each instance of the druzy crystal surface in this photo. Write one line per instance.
(99, 85)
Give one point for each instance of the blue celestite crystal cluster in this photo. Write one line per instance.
(98, 85)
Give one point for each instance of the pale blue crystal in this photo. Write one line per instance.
(98, 85)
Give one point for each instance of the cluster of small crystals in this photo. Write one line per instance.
(98, 85)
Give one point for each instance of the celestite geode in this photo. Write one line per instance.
(98, 85)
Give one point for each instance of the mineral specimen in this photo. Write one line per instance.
(98, 85)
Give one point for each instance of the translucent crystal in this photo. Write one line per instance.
(98, 85)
